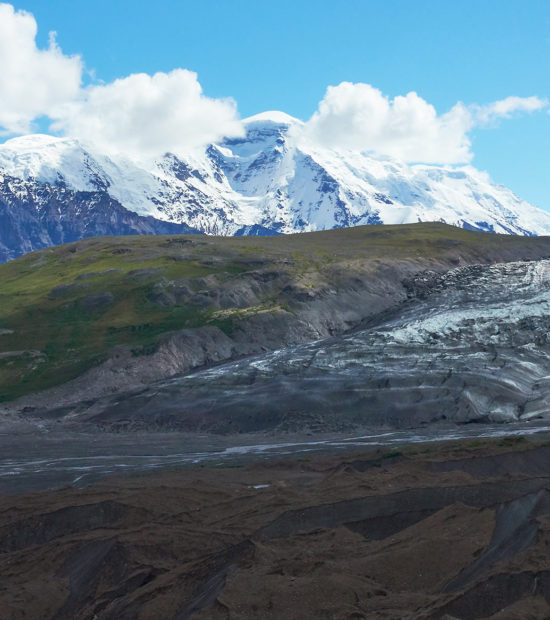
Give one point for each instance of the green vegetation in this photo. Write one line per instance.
(392, 455)
(64, 309)
(512, 440)
(47, 302)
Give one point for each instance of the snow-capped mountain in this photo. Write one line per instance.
(54, 190)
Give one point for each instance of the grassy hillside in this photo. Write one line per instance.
(63, 309)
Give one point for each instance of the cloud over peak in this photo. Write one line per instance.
(140, 114)
(360, 117)
(149, 115)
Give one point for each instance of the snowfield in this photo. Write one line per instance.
(272, 181)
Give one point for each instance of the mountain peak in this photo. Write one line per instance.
(273, 116)
(31, 142)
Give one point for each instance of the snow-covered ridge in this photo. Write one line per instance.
(270, 181)
(273, 116)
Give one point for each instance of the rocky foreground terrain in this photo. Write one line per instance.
(109, 346)
(455, 530)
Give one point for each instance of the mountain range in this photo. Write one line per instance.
(271, 181)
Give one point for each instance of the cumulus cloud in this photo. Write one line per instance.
(139, 114)
(149, 115)
(32, 81)
(360, 117)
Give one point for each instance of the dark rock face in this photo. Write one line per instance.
(256, 230)
(96, 302)
(63, 522)
(372, 516)
(66, 290)
(35, 216)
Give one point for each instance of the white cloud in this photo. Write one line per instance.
(408, 128)
(149, 115)
(505, 108)
(139, 114)
(32, 81)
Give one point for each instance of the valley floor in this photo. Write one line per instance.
(433, 529)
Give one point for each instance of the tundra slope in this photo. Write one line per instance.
(57, 190)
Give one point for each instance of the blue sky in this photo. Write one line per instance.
(283, 55)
